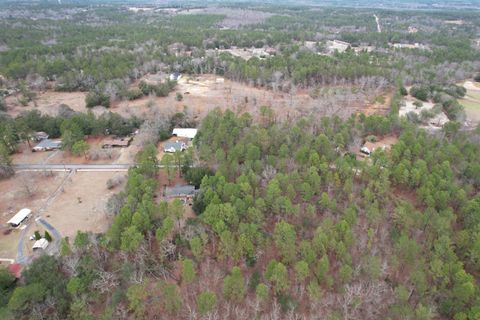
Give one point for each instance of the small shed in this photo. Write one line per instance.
(39, 136)
(41, 244)
(17, 219)
(48, 145)
(189, 133)
(173, 147)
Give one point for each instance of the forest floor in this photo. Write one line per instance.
(203, 93)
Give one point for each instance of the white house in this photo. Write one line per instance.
(40, 244)
(19, 217)
(189, 133)
(173, 147)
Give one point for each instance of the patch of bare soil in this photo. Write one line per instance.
(82, 204)
(48, 102)
(379, 107)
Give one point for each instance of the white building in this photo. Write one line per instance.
(40, 244)
(189, 133)
(19, 217)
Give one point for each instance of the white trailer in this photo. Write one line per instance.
(19, 217)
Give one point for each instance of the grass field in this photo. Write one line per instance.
(471, 102)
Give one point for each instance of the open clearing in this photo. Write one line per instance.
(48, 102)
(82, 204)
(201, 94)
(471, 102)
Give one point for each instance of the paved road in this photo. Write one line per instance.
(75, 167)
(70, 167)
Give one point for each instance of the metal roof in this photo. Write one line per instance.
(19, 217)
(40, 244)
(185, 132)
(180, 191)
(48, 144)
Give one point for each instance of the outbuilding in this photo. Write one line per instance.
(39, 136)
(189, 133)
(17, 219)
(118, 142)
(41, 244)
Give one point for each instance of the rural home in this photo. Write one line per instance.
(338, 45)
(370, 147)
(117, 142)
(173, 147)
(180, 191)
(17, 219)
(48, 145)
(41, 244)
(189, 133)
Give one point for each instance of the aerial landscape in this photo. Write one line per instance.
(240, 159)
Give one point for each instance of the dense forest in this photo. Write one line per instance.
(105, 48)
(288, 224)
(288, 221)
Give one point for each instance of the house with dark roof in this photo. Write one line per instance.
(179, 191)
(48, 145)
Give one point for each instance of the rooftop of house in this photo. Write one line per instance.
(180, 191)
(177, 145)
(49, 144)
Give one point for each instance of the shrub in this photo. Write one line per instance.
(477, 78)
(134, 94)
(206, 302)
(421, 93)
(94, 99)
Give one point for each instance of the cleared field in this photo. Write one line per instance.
(204, 93)
(471, 102)
(48, 102)
(82, 204)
